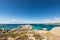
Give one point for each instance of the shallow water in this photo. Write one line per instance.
(35, 26)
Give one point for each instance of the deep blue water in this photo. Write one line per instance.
(35, 26)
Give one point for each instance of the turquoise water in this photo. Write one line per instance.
(35, 26)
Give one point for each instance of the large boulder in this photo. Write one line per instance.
(26, 27)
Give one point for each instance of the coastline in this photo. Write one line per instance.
(27, 31)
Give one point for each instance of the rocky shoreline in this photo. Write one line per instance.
(26, 33)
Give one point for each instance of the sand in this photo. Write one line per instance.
(53, 34)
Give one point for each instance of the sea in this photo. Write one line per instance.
(34, 26)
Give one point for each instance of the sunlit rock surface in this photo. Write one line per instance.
(23, 33)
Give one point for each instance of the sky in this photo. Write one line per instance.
(29, 11)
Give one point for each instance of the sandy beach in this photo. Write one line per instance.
(53, 34)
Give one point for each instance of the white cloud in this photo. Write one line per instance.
(54, 20)
(14, 21)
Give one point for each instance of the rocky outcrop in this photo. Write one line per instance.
(24, 33)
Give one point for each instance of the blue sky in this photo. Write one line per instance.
(29, 11)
